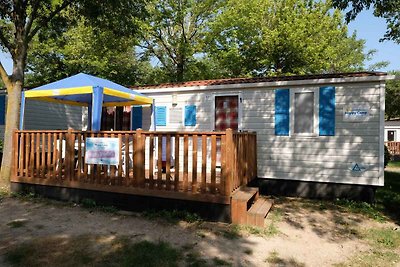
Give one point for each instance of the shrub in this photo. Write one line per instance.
(388, 156)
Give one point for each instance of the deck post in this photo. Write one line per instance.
(14, 161)
(228, 162)
(69, 155)
(139, 158)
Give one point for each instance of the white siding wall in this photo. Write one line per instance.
(317, 158)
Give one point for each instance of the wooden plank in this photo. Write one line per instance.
(37, 159)
(79, 163)
(176, 175)
(55, 156)
(85, 166)
(203, 163)
(151, 161)
(15, 147)
(228, 162)
(113, 169)
(70, 144)
(60, 159)
(194, 163)
(48, 163)
(139, 159)
(127, 155)
(159, 161)
(168, 163)
(22, 155)
(43, 154)
(209, 198)
(27, 154)
(213, 162)
(185, 162)
(32, 156)
(119, 179)
(223, 166)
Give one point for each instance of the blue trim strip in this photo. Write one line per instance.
(327, 111)
(22, 112)
(282, 103)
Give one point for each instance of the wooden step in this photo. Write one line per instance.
(241, 201)
(257, 213)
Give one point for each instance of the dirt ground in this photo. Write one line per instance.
(298, 233)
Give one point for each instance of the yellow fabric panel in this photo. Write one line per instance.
(138, 99)
(57, 92)
(54, 100)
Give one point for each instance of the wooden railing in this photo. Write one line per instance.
(393, 147)
(206, 166)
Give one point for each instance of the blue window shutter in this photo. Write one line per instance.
(137, 117)
(161, 116)
(327, 111)
(2, 109)
(282, 103)
(190, 115)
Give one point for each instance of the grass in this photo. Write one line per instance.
(88, 250)
(394, 164)
(385, 249)
(173, 216)
(275, 259)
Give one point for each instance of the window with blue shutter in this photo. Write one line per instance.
(282, 103)
(161, 116)
(190, 115)
(2, 109)
(137, 117)
(327, 111)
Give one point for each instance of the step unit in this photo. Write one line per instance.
(247, 207)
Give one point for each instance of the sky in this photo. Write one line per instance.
(366, 26)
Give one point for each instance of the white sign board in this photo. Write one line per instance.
(102, 151)
(356, 113)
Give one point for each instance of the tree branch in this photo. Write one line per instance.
(10, 47)
(4, 76)
(31, 18)
(47, 19)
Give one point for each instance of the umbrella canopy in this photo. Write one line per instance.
(86, 90)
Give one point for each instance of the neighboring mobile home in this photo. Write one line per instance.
(392, 130)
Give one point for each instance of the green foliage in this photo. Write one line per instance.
(389, 10)
(173, 33)
(84, 48)
(256, 37)
(362, 208)
(392, 98)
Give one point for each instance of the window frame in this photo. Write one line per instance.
(314, 90)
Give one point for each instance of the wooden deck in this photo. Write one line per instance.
(393, 147)
(198, 166)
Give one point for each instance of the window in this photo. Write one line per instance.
(304, 112)
(390, 135)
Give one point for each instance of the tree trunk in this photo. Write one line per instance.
(12, 118)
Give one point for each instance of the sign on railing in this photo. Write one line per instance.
(101, 150)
